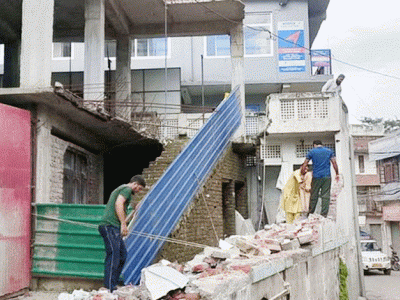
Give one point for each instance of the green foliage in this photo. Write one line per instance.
(343, 274)
(389, 125)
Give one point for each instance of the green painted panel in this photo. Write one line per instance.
(68, 249)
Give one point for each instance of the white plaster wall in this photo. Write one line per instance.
(369, 166)
(279, 125)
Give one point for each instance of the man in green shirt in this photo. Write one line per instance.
(113, 227)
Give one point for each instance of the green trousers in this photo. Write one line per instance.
(320, 187)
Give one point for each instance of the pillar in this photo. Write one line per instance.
(237, 58)
(36, 43)
(93, 78)
(123, 86)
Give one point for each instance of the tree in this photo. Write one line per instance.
(389, 125)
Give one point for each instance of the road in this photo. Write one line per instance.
(382, 287)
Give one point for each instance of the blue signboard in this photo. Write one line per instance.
(291, 49)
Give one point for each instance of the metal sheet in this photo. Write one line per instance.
(168, 199)
(65, 249)
(15, 198)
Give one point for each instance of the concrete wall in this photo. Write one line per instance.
(369, 166)
(197, 224)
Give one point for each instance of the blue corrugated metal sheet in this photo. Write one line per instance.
(163, 206)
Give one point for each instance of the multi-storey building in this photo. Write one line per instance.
(385, 152)
(367, 178)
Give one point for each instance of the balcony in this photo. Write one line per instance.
(306, 112)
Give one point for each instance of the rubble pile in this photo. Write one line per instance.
(216, 272)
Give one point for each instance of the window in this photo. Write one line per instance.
(389, 170)
(62, 50)
(149, 47)
(361, 167)
(257, 40)
(270, 151)
(75, 177)
(218, 45)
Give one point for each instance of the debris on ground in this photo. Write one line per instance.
(217, 271)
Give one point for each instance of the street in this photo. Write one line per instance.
(382, 287)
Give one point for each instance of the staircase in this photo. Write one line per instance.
(157, 168)
(170, 196)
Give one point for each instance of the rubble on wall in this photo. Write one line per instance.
(216, 273)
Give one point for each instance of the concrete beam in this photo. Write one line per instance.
(177, 29)
(36, 43)
(93, 78)
(116, 17)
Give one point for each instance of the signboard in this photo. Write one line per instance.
(291, 49)
(391, 213)
(321, 61)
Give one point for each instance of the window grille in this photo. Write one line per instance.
(287, 109)
(320, 108)
(304, 109)
(270, 151)
(169, 129)
(195, 124)
(303, 149)
(251, 161)
(252, 125)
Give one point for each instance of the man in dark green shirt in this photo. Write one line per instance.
(113, 227)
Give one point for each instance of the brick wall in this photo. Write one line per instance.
(94, 174)
(196, 225)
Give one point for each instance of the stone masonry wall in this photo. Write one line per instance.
(196, 225)
(94, 174)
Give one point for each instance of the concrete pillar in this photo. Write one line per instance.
(93, 78)
(123, 86)
(237, 58)
(43, 157)
(12, 52)
(36, 43)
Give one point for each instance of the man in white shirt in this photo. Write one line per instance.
(333, 86)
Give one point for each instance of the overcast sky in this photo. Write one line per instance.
(365, 33)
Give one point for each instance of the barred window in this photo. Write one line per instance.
(75, 177)
(304, 109)
(303, 149)
(251, 161)
(169, 129)
(270, 151)
(252, 125)
(320, 108)
(196, 124)
(287, 109)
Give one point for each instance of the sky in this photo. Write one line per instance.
(365, 33)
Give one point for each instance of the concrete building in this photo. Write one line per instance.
(385, 152)
(75, 145)
(170, 79)
(367, 179)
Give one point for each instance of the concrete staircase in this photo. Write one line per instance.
(157, 168)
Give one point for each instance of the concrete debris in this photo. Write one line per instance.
(217, 273)
(159, 280)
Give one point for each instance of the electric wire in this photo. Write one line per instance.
(300, 46)
(142, 234)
